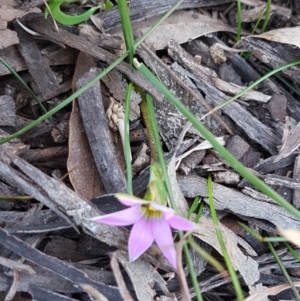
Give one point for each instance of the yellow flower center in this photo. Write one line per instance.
(150, 212)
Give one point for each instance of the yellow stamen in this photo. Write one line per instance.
(150, 212)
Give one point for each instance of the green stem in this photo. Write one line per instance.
(229, 265)
(127, 30)
(239, 20)
(283, 270)
(127, 150)
(146, 112)
(267, 17)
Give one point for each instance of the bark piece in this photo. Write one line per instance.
(296, 176)
(256, 130)
(98, 133)
(170, 121)
(291, 141)
(8, 111)
(282, 181)
(277, 107)
(45, 27)
(63, 56)
(250, 158)
(233, 89)
(109, 42)
(237, 146)
(55, 265)
(142, 10)
(41, 294)
(234, 201)
(271, 54)
(43, 76)
(53, 193)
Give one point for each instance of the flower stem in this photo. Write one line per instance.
(146, 112)
(127, 150)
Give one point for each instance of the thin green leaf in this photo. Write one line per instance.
(239, 20)
(267, 17)
(127, 150)
(229, 265)
(127, 30)
(284, 271)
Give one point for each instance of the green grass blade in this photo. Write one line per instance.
(239, 20)
(267, 17)
(229, 265)
(65, 102)
(224, 153)
(283, 80)
(292, 251)
(283, 270)
(127, 30)
(127, 150)
(261, 238)
(193, 207)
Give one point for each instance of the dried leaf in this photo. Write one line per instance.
(8, 38)
(244, 264)
(289, 36)
(8, 14)
(81, 166)
(182, 26)
(83, 172)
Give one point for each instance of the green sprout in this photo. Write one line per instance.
(66, 19)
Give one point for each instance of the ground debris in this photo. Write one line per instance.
(57, 176)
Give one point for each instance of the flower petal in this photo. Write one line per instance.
(163, 237)
(121, 218)
(140, 239)
(129, 200)
(180, 223)
(168, 212)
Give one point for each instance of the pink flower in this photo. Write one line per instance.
(151, 221)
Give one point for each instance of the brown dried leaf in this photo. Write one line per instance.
(250, 15)
(8, 14)
(182, 26)
(83, 172)
(8, 38)
(289, 36)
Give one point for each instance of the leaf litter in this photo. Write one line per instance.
(192, 67)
